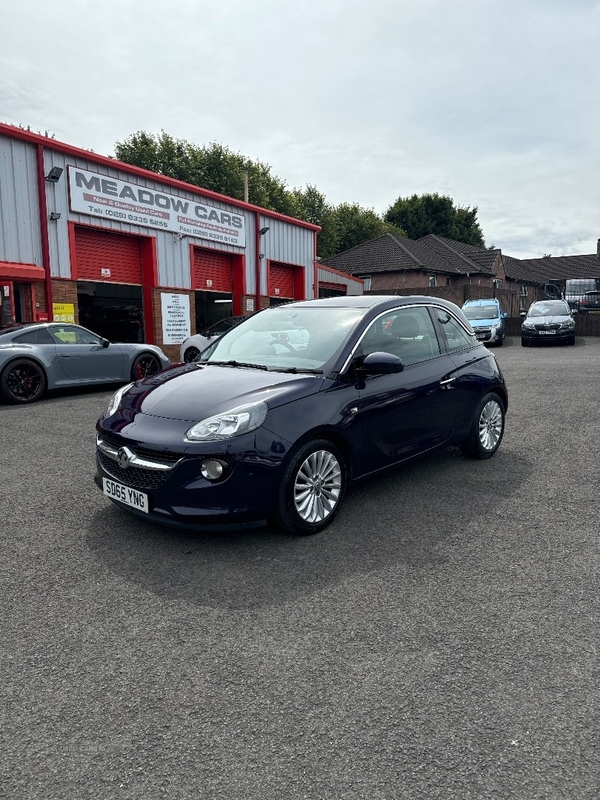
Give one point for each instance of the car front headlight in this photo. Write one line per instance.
(115, 400)
(569, 323)
(229, 423)
(527, 324)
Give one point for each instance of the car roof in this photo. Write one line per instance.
(549, 302)
(367, 301)
(481, 302)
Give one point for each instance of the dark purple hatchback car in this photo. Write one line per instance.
(292, 406)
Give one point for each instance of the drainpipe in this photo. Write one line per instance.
(45, 240)
(258, 259)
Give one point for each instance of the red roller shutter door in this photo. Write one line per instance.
(213, 272)
(281, 281)
(119, 256)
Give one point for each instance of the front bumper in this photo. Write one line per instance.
(558, 335)
(488, 335)
(180, 496)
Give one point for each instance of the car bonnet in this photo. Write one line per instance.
(199, 391)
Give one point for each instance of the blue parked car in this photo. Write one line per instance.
(288, 409)
(487, 320)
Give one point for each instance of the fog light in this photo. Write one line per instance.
(212, 469)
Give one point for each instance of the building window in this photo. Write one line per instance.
(432, 280)
(497, 283)
(367, 280)
(523, 290)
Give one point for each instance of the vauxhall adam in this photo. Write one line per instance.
(287, 410)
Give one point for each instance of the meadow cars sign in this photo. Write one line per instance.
(122, 201)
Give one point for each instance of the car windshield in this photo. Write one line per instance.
(480, 312)
(549, 310)
(291, 338)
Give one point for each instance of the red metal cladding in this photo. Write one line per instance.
(213, 272)
(281, 281)
(105, 256)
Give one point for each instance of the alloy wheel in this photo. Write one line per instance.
(317, 486)
(490, 425)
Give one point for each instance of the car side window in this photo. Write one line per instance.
(457, 337)
(71, 334)
(38, 336)
(407, 333)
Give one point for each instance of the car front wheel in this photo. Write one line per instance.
(144, 365)
(191, 354)
(487, 428)
(23, 381)
(312, 488)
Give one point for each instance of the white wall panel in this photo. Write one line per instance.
(20, 240)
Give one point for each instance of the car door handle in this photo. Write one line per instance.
(447, 382)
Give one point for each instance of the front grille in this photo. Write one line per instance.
(143, 452)
(549, 327)
(133, 476)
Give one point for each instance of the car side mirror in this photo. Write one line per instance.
(504, 314)
(380, 363)
(105, 342)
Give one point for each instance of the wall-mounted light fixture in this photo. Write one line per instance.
(54, 175)
(262, 231)
(179, 237)
(54, 215)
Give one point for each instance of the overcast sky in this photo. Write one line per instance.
(495, 103)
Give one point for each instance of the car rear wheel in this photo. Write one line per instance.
(312, 488)
(144, 365)
(487, 428)
(23, 381)
(191, 354)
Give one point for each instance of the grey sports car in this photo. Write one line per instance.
(50, 355)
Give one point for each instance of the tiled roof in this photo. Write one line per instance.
(515, 270)
(560, 268)
(378, 255)
(437, 254)
(390, 253)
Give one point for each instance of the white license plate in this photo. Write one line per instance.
(547, 333)
(125, 494)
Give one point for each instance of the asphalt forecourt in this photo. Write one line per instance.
(438, 640)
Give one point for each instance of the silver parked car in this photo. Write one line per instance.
(50, 355)
(548, 321)
(194, 345)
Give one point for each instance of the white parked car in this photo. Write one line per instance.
(193, 346)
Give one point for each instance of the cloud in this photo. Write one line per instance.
(492, 103)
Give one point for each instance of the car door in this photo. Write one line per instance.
(412, 411)
(83, 357)
(473, 374)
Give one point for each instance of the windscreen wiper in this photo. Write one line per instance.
(233, 364)
(296, 371)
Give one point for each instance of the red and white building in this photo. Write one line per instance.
(138, 256)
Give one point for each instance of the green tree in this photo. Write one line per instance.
(214, 167)
(353, 225)
(420, 215)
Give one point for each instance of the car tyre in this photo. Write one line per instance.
(144, 365)
(312, 488)
(191, 354)
(487, 428)
(525, 343)
(23, 381)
